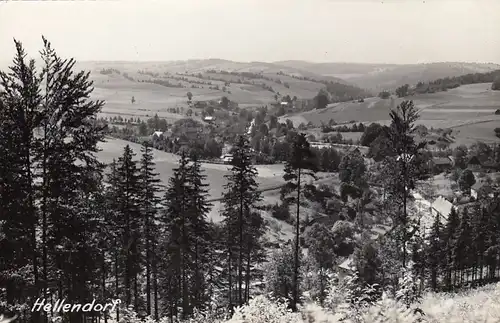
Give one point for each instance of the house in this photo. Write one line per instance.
(440, 164)
(474, 163)
(227, 158)
(346, 268)
(209, 119)
(481, 190)
(441, 207)
(226, 149)
(494, 166)
(157, 135)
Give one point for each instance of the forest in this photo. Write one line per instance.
(73, 228)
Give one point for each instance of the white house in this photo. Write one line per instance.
(227, 158)
(157, 135)
(442, 207)
(209, 119)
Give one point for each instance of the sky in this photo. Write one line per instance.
(394, 31)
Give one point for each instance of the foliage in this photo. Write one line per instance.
(402, 91)
(466, 180)
(384, 95)
(454, 82)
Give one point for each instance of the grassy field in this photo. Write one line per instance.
(195, 77)
(268, 175)
(468, 110)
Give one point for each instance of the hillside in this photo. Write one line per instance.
(157, 87)
(468, 110)
(389, 76)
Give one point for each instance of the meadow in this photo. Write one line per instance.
(468, 110)
(268, 175)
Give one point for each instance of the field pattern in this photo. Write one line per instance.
(469, 110)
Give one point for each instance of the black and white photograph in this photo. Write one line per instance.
(250, 161)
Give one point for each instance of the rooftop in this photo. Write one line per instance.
(442, 206)
(441, 161)
(481, 185)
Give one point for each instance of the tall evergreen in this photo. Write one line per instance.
(176, 251)
(201, 241)
(129, 222)
(404, 167)
(148, 200)
(241, 195)
(50, 133)
(300, 165)
(449, 233)
(462, 252)
(435, 252)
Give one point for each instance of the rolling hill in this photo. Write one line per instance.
(389, 76)
(468, 110)
(158, 86)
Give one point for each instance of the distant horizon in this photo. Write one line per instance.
(9, 62)
(322, 31)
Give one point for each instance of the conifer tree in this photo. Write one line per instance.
(479, 231)
(434, 251)
(176, 250)
(463, 246)
(449, 240)
(404, 167)
(201, 241)
(149, 200)
(240, 197)
(129, 222)
(49, 125)
(300, 165)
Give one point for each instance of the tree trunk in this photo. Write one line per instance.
(295, 295)
(240, 251)
(155, 281)
(117, 284)
(103, 284)
(148, 267)
(247, 283)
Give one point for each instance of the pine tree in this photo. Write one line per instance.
(176, 251)
(405, 167)
(463, 246)
(479, 239)
(129, 222)
(54, 135)
(434, 251)
(300, 164)
(149, 200)
(449, 242)
(200, 234)
(240, 197)
(20, 94)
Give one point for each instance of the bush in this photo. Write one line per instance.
(281, 212)
(496, 84)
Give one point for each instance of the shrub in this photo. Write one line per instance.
(281, 212)
(384, 95)
(496, 84)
